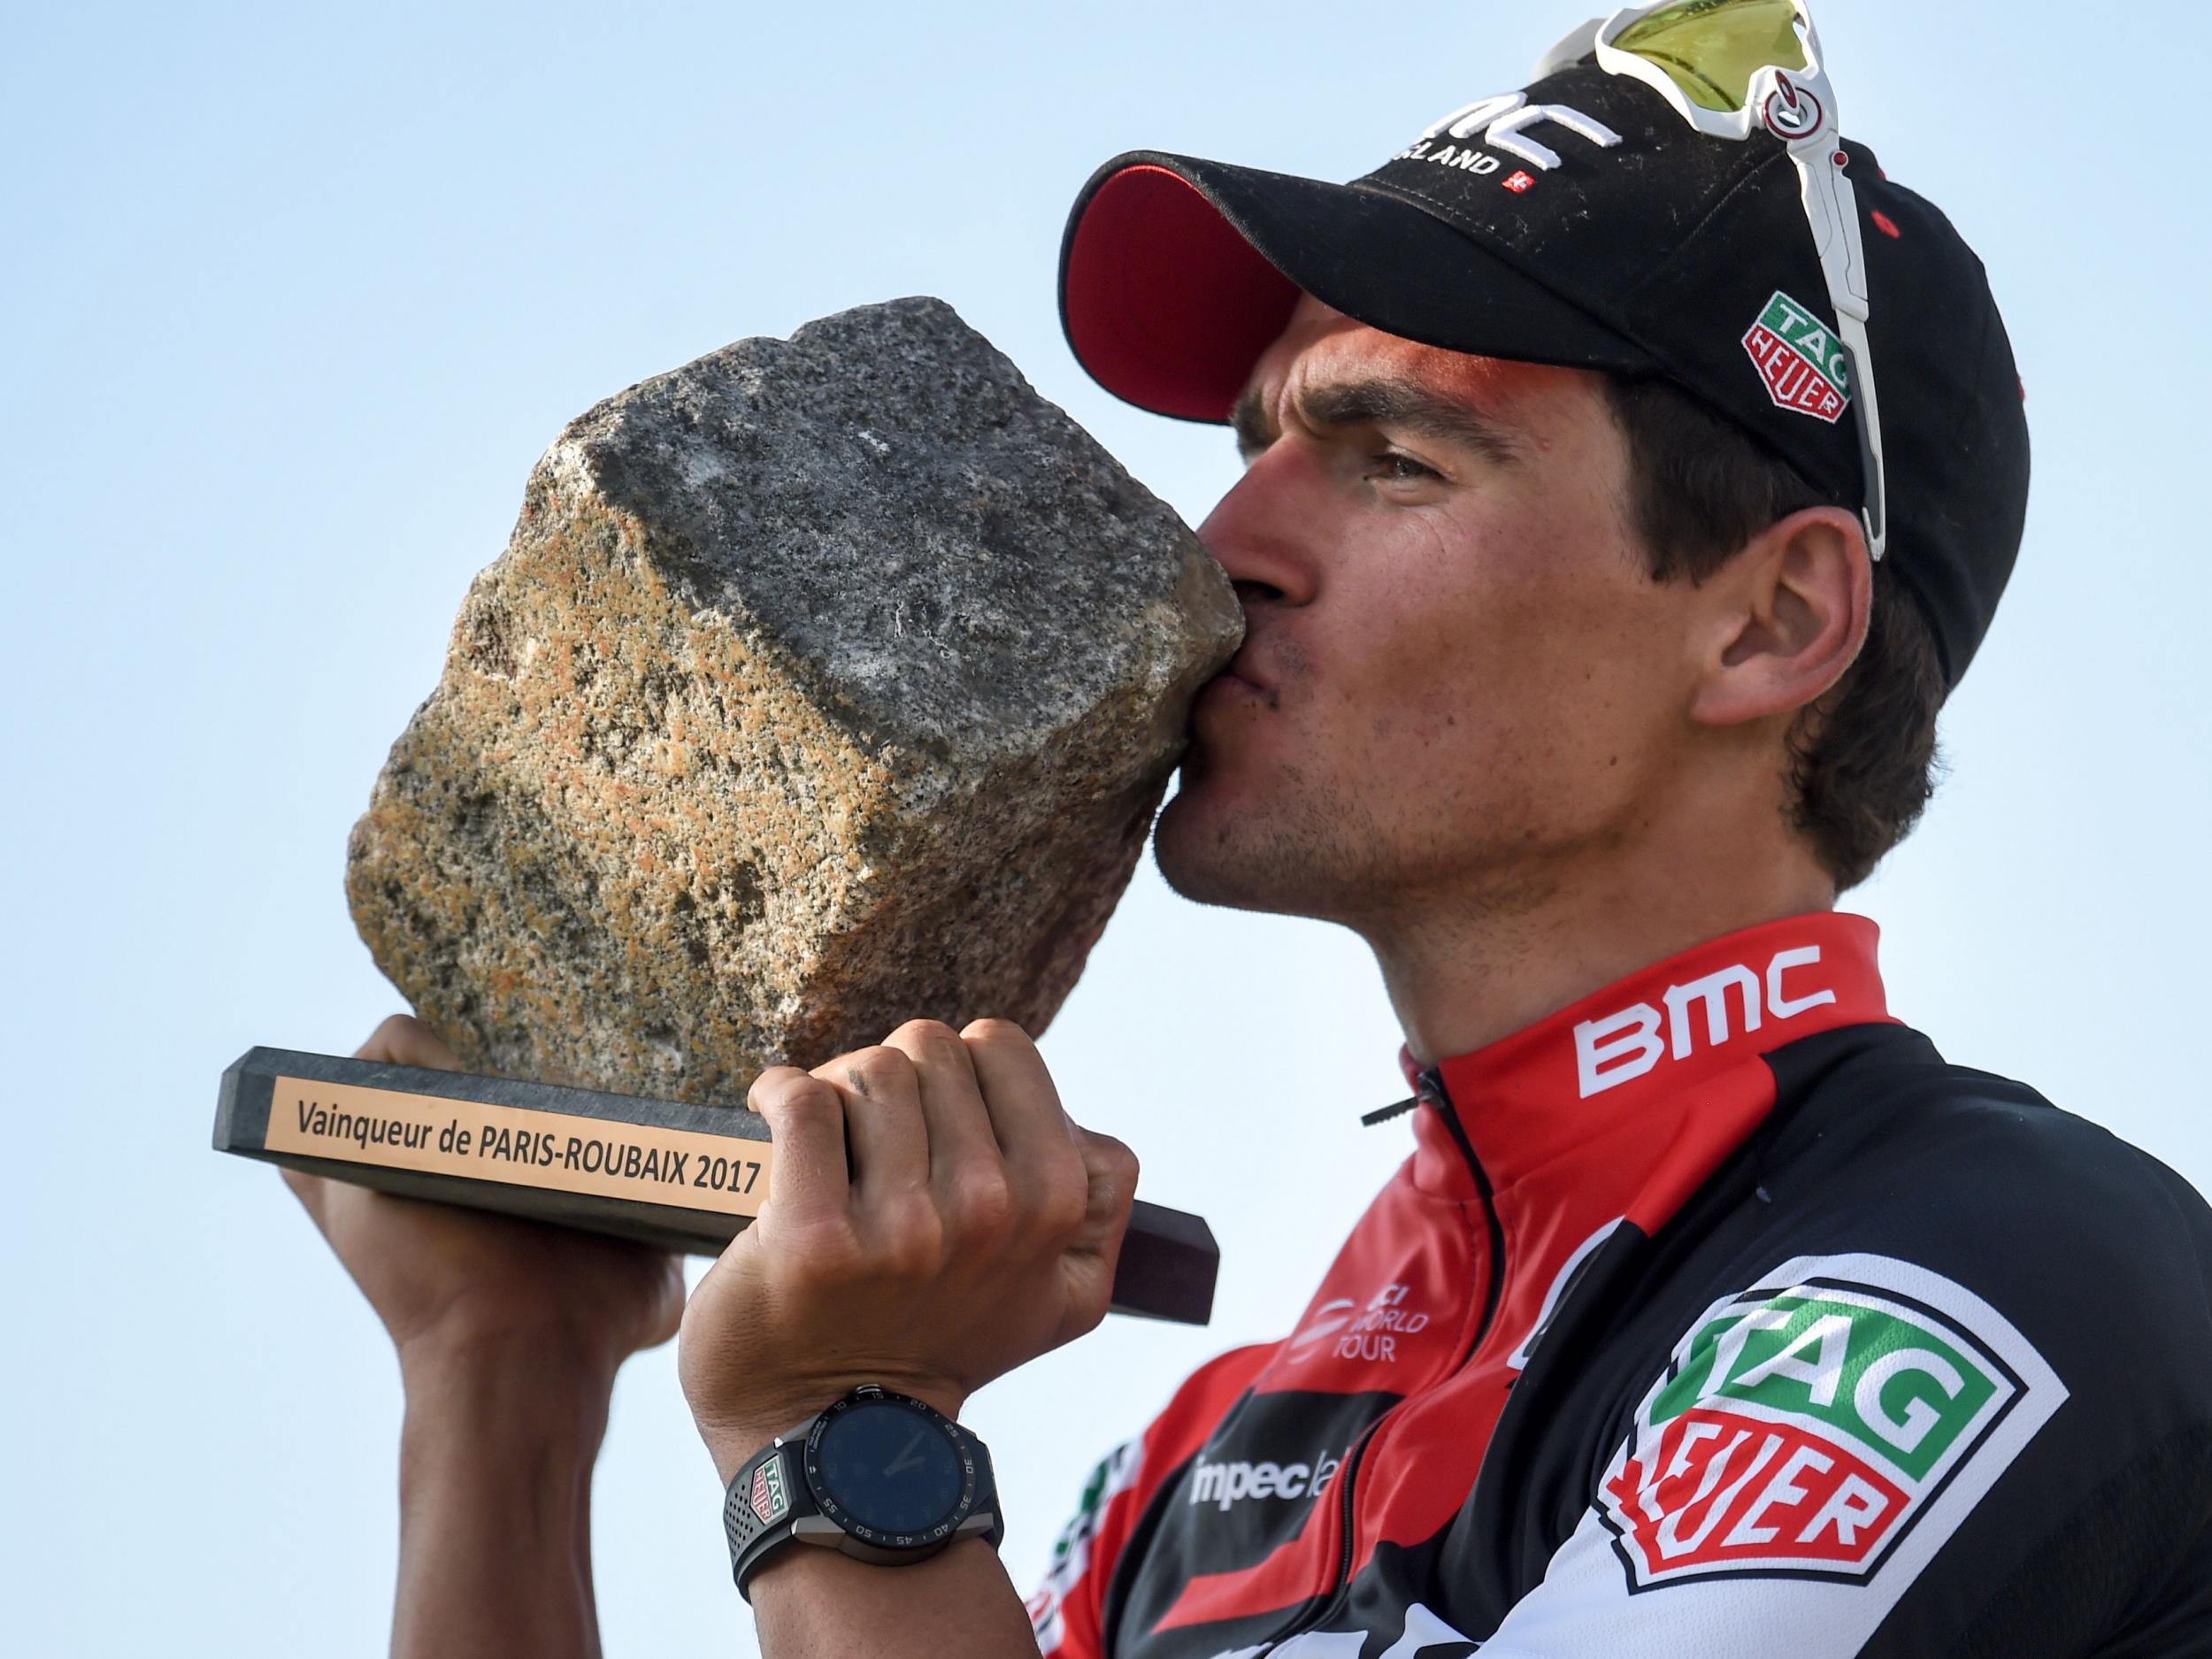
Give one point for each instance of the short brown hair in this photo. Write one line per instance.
(1863, 759)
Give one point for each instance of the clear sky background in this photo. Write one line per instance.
(292, 298)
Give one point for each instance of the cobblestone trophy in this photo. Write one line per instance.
(825, 683)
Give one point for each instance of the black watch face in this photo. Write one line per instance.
(888, 1471)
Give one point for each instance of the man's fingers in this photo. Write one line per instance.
(806, 1117)
(402, 1039)
(884, 1131)
(1043, 1164)
(964, 1164)
(1088, 1262)
(1018, 1091)
(1110, 1172)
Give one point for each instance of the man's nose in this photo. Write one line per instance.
(1266, 530)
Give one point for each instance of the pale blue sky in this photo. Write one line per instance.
(293, 297)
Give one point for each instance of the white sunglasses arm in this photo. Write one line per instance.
(1832, 208)
(1830, 203)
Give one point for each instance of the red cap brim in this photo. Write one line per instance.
(1164, 302)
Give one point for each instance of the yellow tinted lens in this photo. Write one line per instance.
(1710, 49)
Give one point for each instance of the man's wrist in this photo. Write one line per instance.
(733, 1441)
(508, 1390)
(558, 1352)
(799, 1574)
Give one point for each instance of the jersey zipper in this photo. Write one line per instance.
(1430, 1093)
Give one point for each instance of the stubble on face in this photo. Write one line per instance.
(1305, 850)
(1310, 847)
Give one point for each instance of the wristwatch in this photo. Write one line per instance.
(879, 1476)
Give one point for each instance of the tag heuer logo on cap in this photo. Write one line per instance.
(769, 1502)
(1800, 361)
(1817, 1426)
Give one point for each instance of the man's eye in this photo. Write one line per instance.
(1393, 465)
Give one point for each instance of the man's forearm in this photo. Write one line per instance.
(817, 1604)
(496, 1463)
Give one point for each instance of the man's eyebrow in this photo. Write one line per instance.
(1248, 421)
(1387, 401)
(1391, 402)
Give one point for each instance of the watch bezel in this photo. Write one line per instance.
(928, 1538)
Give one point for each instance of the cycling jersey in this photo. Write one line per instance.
(1714, 1315)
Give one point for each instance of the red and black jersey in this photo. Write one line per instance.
(1714, 1315)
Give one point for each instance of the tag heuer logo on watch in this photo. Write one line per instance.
(1799, 359)
(1812, 1427)
(769, 1502)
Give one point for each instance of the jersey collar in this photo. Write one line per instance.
(1646, 1046)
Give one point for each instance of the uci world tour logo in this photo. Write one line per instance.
(1800, 361)
(1806, 1430)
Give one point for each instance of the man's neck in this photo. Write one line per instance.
(1475, 966)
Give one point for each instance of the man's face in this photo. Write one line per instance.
(1459, 682)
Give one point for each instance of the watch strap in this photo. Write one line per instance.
(985, 1496)
(767, 1497)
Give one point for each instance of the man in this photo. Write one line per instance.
(1712, 1312)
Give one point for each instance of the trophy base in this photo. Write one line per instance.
(664, 1172)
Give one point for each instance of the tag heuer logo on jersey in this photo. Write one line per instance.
(1809, 1427)
(1799, 359)
(769, 1502)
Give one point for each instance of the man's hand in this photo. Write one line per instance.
(934, 1220)
(443, 1277)
(508, 1335)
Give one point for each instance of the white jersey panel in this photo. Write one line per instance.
(1811, 1446)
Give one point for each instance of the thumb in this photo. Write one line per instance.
(402, 1039)
(311, 1190)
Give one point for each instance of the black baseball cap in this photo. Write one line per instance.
(1584, 222)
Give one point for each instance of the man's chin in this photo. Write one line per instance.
(1250, 842)
(1202, 849)
(1186, 847)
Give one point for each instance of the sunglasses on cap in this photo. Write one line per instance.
(1733, 67)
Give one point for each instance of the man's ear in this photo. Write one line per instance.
(1789, 617)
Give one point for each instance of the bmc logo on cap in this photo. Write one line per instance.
(1502, 123)
(1625, 1046)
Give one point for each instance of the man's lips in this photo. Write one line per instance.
(1242, 666)
(1238, 681)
